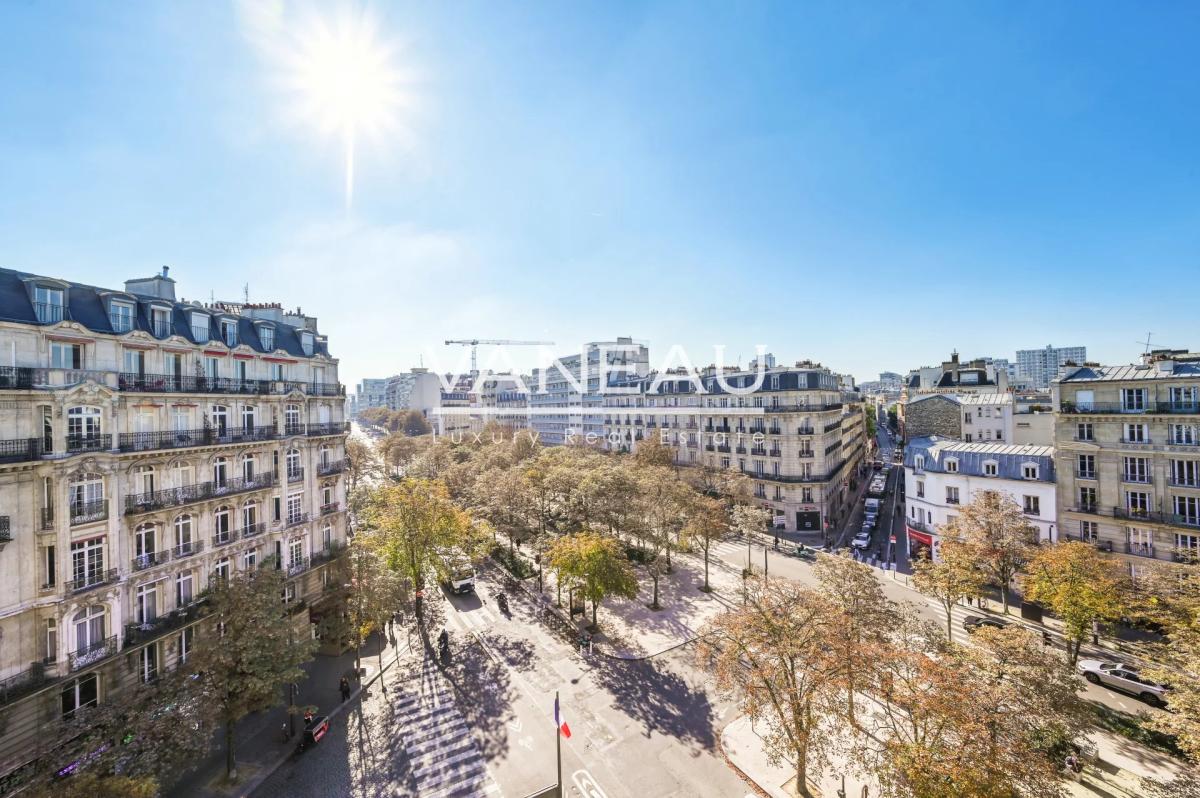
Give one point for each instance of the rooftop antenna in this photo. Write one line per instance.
(1146, 342)
(246, 293)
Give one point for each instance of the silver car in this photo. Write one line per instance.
(1124, 678)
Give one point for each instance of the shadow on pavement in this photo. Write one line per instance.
(661, 700)
(483, 690)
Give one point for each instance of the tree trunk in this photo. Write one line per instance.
(706, 587)
(230, 764)
(801, 770)
(654, 604)
(1004, 596)
(1075, 645)
(595, 604)
(949, 622)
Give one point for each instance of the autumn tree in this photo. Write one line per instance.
(773, 654)
(1079, 585)
(421, 532)
(377, 592)
(858, 633)
(653, 452)
(1169, 594)
(596, 565)
(664, 501)
(951, 579)
(92, 784)
(999, 536)
(363, 469)
(707, 523)
(414, 424)
(248, 649)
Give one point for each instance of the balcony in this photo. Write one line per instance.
(775, 453)
(200, 334)
(813, 408)
(723, 448)
(297, 567)
(47, 518)
(179, 383)
(91, 581)
(1088, 509)
(1140, 479)
(1184, 483)
(329, 428)
(805, 431)
(806, 454)
(1139, 549)
(328, 553)
(329, 509)
(200, 491)
(189, 549)
(23, 683)
(16, 377)
(295, 519)
(150, 559)
(951, 500)
(1085, 474)
(1138, 514)
(708, 447)
(160, 328)
(253, 530)
(788, 478)
(138, 633)
(758, 451)
(49, 313)
(740, 449)
(290, 429)
(20, 450)
(78, 444)
(166, 439)
(637, 422)
(88, 512)
(720, 428)
(90, 655)
(325, 389)
(775, 431)
(224, 538)
(331, 468)
(1119, 408)
(5, 529)
(295, 475)
(1189, 521)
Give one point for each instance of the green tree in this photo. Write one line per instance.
(414, 424)
(951, 579)
(248, 649)
(1079, 585)
(707, 523)
(997, 533)
(596, 565)
(377, 592)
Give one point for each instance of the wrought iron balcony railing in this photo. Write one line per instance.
(150, 559)
(331, 468)
(253, 529)
(200, 491)
(91, 581)
(91, 654)
(88, 443)
(20, 450)
(87, 512)
(49, 313)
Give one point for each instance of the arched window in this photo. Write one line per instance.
(184, 535)
(83, 427)
(327, 536)
(250, 519)
(145, 546)
(323, 455)
(294, 471)
(220, 420)
(87, 499)
(89, 629)
(143, 480)
(221, 473)
(291, 420)
(222, 526)
(248, 467)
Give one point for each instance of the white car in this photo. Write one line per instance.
(1125, 678)
(861, 541)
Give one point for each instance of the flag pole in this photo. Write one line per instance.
(558, 747)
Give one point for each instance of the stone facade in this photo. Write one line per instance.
(933, 415)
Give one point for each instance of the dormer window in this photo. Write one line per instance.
(267, 336)
(199, 323)
(991, 468)
(919, 462)
(951, 465)
(48, 304)
(229, 333)
(306, 342)
(160, 322)
(120, 316)
(1029, 471)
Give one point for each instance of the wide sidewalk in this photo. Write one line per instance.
(258, 741)
(629, 629)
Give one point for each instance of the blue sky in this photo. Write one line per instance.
(868, 185)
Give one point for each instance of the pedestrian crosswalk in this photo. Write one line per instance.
(445, 759)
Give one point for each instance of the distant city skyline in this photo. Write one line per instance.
(864, 187)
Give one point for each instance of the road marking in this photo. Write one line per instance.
(516, 725)
(587, 784)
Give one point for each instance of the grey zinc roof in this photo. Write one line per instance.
(84, 306)
(1132, 372)
(971, 456)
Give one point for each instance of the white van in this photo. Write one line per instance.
(872, 505)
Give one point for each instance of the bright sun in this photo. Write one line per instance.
(346, 83)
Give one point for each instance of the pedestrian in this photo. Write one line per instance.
(344, 686)
(1046, 639)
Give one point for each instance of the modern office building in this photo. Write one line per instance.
(371, 393)
(1041, 366)
(1128, 441)
(148, 446)
(796, 435)
(941, 475)
(567, 398)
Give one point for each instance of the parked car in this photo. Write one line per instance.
(872, 519)
(1124, 678)
(861, 540)
(973, 623)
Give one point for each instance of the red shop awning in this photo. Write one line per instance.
(920, 537)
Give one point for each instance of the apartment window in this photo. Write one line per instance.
(199, 328)
(51, 652)
(1183, 398)
(146, 608)
(920, 489)
(221, 524)
(1184, 435)
(249, 415)
(181, 419)
(221, 569)
(267, 336)
(184, 528)
(148, 663)
(951, 465)
(50, 566)
(249, 559)
(1089, 531)
(220, 420)
(212, 367)
(293, 464)
(249, 515)
(160, 322)
(1136, 469)
(1085, 400)
(724, 462)
(183, 589)
(48, 304)
(277, 372)
(991, 469)
(951, 495)
(1141, 541)
(87, 561)
(1085, 466)
(327, 530)
(806, 495)
(229, 333)
(65, 356)
(248, 467)
(186, 643)
(221, 472)
(89, 627)
(1133, 399)
(1087, 498)
(278, 514)
(970, 437)
(966, 418)
(919, 462)
(78, 693)
(1135, 433)
(240, 372)
(295, 503)
(87, 497)
(145, 539)
(291, 418)
(1187, 509)
(1186, 473)
(295, 551)
(1084, 432)
(999, 434)
(121, 317)
(306, 342)
(1137, 502)
(1033, 505)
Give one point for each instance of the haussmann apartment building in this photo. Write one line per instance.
(147, 446)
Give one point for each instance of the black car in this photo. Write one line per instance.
(973, 623)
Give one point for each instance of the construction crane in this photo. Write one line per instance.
(475, 342)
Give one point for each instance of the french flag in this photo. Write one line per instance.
(560, 720)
